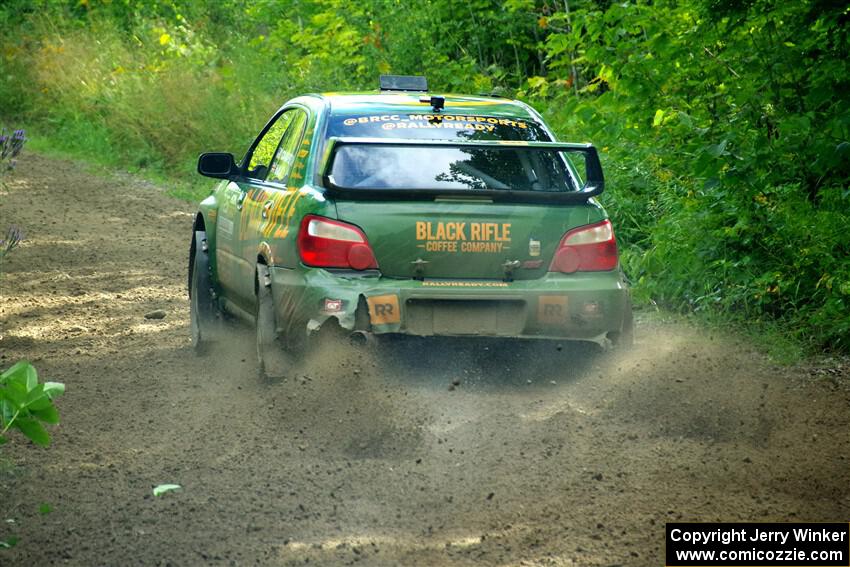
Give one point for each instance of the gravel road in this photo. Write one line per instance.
(425, 452)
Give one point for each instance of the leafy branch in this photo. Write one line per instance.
(26, 404)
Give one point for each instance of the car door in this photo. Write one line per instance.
(235, 273)
(266, 200)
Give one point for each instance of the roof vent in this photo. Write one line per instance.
(404, 83)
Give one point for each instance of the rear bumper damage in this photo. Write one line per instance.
(583, 306)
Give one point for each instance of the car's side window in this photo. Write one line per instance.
(285, 157)
(261, 159)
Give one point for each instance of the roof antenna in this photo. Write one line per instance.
(438, 102)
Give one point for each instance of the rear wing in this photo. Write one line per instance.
(594, 181)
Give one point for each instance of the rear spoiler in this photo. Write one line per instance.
(593, 186)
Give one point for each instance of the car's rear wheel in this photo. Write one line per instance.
(271, 359)
(202, 309)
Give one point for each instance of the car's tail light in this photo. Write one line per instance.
(327, 243)
(590, 248)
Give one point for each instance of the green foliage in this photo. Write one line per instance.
(725, 124)
(729, 152)
(26, 404)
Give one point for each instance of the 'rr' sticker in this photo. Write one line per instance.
(552, 309)
(383, 309)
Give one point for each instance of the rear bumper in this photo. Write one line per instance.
(584, 306)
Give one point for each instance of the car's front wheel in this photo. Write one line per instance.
(271, 359)
(202, 310)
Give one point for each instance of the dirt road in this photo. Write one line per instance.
(540, 456)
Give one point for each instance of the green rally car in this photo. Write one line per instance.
(406, 212)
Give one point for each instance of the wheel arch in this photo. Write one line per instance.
(264, 258)
(198, 224)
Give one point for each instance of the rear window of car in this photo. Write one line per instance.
(446, 168)
(442, 126)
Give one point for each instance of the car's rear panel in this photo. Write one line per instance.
(467, 240)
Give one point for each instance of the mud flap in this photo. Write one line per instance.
(272, 362)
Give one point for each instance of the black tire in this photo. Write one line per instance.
(202, 308)
(272, 361)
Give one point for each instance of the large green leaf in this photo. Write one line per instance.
(22, 374)
(36, 394)
(15, 392)
(17, 369)
(32, 376)
(48, 415)
(40, 402)
(34, 430)
(54, 389)
(7, 408)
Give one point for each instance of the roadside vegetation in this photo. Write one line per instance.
(724, 124)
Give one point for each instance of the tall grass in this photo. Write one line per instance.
(92, 92)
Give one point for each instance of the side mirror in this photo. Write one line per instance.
(218, 165)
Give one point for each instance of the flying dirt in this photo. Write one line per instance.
(408, 452)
